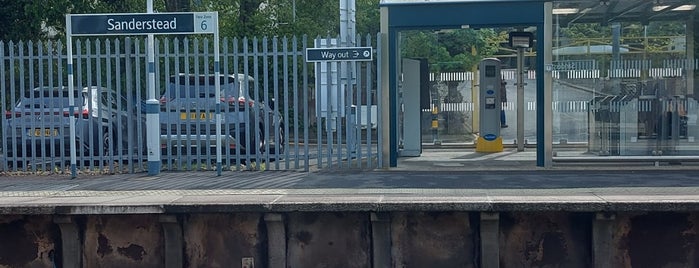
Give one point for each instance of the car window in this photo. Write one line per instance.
(193, 92)
(108, 99)
(105, 99)
(49, 102)
(193, 87)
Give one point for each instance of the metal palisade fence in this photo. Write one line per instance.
(279, 112)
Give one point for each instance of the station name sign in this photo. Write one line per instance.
(143, 23)
(339, 54)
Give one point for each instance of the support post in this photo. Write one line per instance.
(152, 107)
(602, 233)
(174, 242)
(546, 115)
(490, 239)
(520, 99)
(70, 241)
(475, 94)
(435, 122)
(276, 237)
(691, 66)
(381, 239)
(71, 100)
(383, 90)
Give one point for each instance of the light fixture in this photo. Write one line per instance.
(685, 8)
(679, 8)
(563, 11)
(659, 8)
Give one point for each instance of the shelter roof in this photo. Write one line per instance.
(593, 11)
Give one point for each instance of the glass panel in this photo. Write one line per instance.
(623, 85)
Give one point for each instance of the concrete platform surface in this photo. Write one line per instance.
(401, 189)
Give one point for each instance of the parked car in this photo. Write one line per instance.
(188, 121)
(38, 125)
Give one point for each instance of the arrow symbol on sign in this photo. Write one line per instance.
(355, 53)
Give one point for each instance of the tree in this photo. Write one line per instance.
(11, 16)
(368, 17)
(175, 5)
(452, 51)
(237, 18)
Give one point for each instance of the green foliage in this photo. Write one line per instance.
(586, 30)
(654, 37)
(42, 19)
(237, 18)
(26, 14)
(368, 17)
(451, 51)
(446, 50)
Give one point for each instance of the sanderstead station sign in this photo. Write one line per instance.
(144, 24)
(139, 24)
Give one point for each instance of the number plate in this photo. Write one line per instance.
(43, 132)
(197, 116)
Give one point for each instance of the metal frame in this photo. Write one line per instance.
(397, 16)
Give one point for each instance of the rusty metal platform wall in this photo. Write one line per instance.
(352, 239)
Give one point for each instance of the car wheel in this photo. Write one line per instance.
(260, 141)
(280, 141)
(107, 144)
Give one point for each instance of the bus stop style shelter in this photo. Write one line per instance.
(664, 78)
(399, 16)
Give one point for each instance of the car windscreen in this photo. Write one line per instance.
(48, 98)
(202, 92)
(51, 102)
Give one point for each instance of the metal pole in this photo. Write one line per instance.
(475, 94)
(435, 122)
(546, 106)
(217, 83)
(71, 100)
(520, 99)
(152, 108)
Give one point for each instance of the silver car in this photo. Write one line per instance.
(188, 121)
(38, 124)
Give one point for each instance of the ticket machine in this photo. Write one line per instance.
(489, 139)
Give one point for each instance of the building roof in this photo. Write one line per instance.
(593, 11)
(609, 11)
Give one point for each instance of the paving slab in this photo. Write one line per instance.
(449, 180)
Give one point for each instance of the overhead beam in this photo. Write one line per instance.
(628, 11)
(592, 7)
(610, 9)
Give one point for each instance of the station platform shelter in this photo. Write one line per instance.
(609, 80)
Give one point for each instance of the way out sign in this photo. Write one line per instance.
(339, 54)
(143, 23)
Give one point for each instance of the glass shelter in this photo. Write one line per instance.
(609, 80)
(623, 79)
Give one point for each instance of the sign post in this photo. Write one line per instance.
(144, 24)
(324, 59)
(520, 41)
